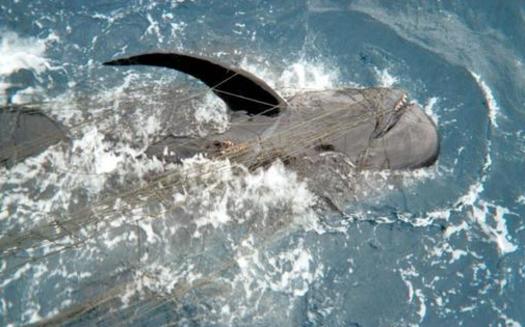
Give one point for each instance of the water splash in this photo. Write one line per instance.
(385, 78)
(22, 53)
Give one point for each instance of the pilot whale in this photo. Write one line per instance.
(374, 128)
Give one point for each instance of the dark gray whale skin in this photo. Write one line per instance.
(375, 128)
(26, 132)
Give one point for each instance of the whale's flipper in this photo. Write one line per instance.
(240, 90)
(26, 132)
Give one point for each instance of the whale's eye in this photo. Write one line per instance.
(324, 147)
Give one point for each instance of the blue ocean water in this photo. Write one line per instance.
(440, 246)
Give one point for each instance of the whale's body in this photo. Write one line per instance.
(374, 128)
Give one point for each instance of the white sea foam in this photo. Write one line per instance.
(22, 53)
(20, 272)
(405, 275)
(153, 28)
(384, 78)
(307, 75)
(103, 159)
(480, 210)
(496, 229)
(422, 311)
(263, 189)
(414, 293)
(88, 164)
(508, 322)
(454, 229)
(300, 75)
(491, 218)
(27, 95)
(211, 110)
(492, 106)
(291, 272)
(472, 194)
(429, 109)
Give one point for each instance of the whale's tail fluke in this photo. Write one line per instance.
(239, 89)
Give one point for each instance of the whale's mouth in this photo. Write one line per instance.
(402, 103)
(387, 120)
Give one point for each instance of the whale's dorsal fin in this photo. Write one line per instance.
(241, 90)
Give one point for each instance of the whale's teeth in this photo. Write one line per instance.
(402, 102)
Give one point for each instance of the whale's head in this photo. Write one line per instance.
(404, 136)
(377, 128)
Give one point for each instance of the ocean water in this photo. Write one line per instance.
(94, 232)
